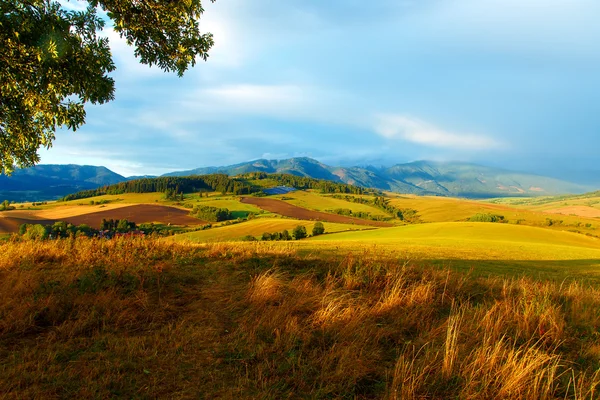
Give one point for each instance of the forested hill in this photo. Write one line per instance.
(242, 184)
(49, 182)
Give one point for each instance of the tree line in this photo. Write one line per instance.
(175, 186)
(304, 182)
(171, 184)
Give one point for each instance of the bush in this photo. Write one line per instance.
(36, 232)
(299, 232)
(318, 229)
(487, 217)
(266, 236)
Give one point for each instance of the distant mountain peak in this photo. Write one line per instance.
(46, 182)
(445, 178)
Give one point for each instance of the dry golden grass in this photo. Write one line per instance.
(140, 318)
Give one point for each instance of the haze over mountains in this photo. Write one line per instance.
(46, 182)
(419, 177)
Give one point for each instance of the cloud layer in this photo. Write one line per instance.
(421, 132)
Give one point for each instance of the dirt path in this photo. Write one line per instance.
(292, 211)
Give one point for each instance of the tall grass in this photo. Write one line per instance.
(135, 318)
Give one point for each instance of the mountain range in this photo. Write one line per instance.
(50, 182)
(420, 177)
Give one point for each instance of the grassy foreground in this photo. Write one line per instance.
(139, 318)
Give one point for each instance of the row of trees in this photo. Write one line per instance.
(117, 225)
(58, 230)
(108, 228)
(298, 233)
(358, 214)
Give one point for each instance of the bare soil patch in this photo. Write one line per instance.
(137, 213)
(292, 211)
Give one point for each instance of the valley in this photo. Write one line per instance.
(244, 305)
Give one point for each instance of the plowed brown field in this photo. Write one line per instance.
(137, 213)
(290, 210)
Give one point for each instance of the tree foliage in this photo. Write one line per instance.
(213, 214)
(53, 61)
(299, 232)
(318, 229)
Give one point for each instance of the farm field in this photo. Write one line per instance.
(444, 209)
(125, 198)
(147, 318)
(486, 248)
(318, 202)
(256, 228)
(292, 211)
(588, 200)
(233, 204)
(140, 213)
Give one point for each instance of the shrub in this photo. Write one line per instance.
(318, 228)
(266, 236)
(299, 232)
(487, 217)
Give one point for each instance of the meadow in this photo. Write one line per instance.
(441, 308)
(144, 318)
(256, 228)
(319, 202)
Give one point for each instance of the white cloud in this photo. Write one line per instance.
(424, 133)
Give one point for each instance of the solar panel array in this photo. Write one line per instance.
(279, 190)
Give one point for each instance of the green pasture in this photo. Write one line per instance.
(237, 208)
(321, 202)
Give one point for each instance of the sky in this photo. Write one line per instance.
(505, 83)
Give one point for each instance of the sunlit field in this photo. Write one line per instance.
(318, 202)
(140, 318)
(256, 228)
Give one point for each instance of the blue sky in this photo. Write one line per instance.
(509, 83)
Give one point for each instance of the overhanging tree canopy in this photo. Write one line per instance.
(53, 61)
